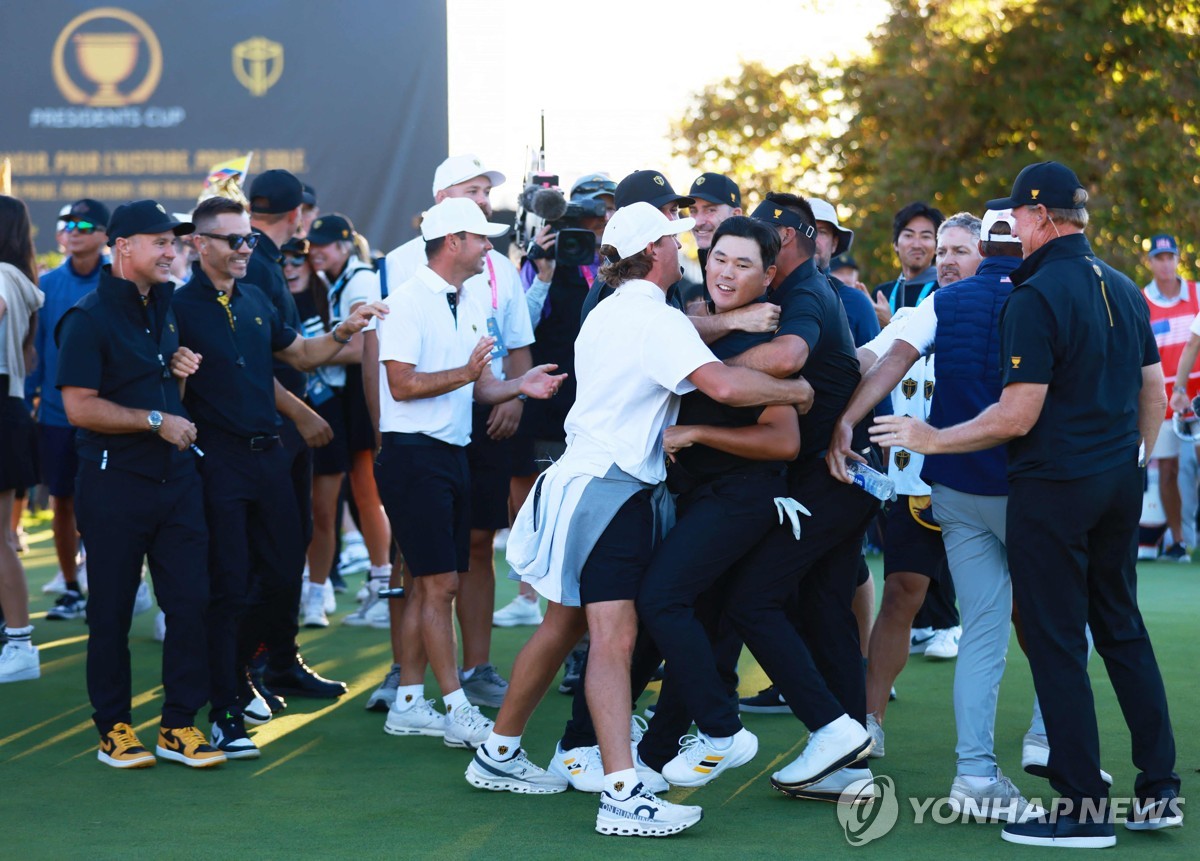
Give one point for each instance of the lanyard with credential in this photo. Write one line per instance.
(588, 275)
(925, 291)
(492, 283)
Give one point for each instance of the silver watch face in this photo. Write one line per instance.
(155, 419)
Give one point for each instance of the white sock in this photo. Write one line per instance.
(381, 572)
(467, 673)
(502, 746)
(408, 696)
(352, 537)
(620, 784)
(720, 742)
(977, 781)
(455, 700)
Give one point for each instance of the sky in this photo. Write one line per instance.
(611, 76)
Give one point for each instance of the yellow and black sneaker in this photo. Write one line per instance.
(120, 748)
(187, 745)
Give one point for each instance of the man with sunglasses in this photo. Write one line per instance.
(232, 333)
(85, 226)
(276, 203)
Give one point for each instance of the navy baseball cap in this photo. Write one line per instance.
(329, 229)
(1163, 243)
(144, 216)
(275, 191)
(716, 188)
(1048, 183)
(309, 195)
(648, 186)
(91, 211)
(773, 213)
(842, 261)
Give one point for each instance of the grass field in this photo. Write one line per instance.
(331, 783)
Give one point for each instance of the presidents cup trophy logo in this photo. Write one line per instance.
(257, 64)
(107, 45)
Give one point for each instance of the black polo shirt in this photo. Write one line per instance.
(264, 269)
(1077, 325)
(811, 310)
(116, 343)
(234, 389)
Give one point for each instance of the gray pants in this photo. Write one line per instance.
(973, 529)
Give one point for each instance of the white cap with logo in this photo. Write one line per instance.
(991, 218)
(456, 215)
(460, 168)
(635, 226)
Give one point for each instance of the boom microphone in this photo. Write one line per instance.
(549, 204)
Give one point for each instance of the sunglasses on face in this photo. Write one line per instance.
(235, 240)
(84, 227)
(293, 261)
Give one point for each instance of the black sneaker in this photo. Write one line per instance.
(1154, 814)
(572, 669)
(1063, 832)
(70, 605)
(299, 680)
(766, 702)
(274, 702)
(1175, 553)
(229, 737)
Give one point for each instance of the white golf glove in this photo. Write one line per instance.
(786, 506)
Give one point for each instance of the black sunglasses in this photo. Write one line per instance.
(84, 227)
(235, 241)
(294, 261)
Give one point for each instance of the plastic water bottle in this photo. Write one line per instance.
(871, 480)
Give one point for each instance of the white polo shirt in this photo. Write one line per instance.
(632, 360)
(421, 330)
(501, 298)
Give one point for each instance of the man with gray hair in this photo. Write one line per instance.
(1082, 393)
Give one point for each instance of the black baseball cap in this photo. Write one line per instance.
(842, 261)
(309, 196)
(275, 191)
(144, 216)
(1047, 183)
(649, 186)
(329, 229)
(295, 245)
(91, 211)
(716, 188)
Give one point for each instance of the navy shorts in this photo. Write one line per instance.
(909, 545)
(360, 433)
(490, 461)
(17, 447)
(334, 458)
(425, 486)
(614, 568)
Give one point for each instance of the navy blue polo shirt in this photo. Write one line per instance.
(234, 389)
(264, 270)
(1080, 327)
(811, 310)
(119, 345)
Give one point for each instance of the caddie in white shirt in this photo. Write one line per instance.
(436, 358)
(586, 534)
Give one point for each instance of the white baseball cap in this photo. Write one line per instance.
(635, 226)
(460, 168)
(991, 218)
(823, 211)
(455, 215)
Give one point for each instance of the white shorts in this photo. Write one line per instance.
(1167, 444)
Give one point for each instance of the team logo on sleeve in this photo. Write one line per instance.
(1016, 362)
(908, 388)
(928, 389)
(902, 458)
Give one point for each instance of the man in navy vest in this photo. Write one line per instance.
(970, 492)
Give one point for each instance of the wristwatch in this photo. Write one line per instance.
(154, 420)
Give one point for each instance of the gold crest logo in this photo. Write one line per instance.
(659, 180)
(257, 64)
(619, 785)
(732, 197)
(1034, 193)
(258, 320)
(1016, 361)
(902, 458)
(107, 54)
(928, 389)
(908, 387)
(160, 208)
(171, 326)
(503, 749)
(700, 181)
(778, 213)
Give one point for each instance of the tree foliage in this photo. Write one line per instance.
(955, 97)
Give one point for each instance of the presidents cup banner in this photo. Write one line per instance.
(144, 99)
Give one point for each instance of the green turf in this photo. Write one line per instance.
(330, 783)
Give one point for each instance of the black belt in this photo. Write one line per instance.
(261, 442)
(398, 438)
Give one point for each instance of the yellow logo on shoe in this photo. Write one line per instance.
(619, 785)
(503, 749)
